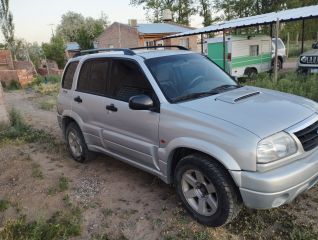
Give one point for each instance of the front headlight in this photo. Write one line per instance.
(275, 147)
(303, 59)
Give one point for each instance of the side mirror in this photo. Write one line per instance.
(140, 102)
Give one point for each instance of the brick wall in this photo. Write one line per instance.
(118, 35)
(23, 65)
(8, 76)
(6, 62)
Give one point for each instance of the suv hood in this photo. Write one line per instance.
(260, 111)
(313, 52)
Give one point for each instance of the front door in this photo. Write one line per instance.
(129, 133)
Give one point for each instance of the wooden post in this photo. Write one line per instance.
(276, 51)
(303, 36)
(202, 42)
(288, 40)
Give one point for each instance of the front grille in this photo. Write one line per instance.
(309, 60)
(309, 137)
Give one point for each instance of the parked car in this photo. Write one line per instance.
(245, 55)
(281, 53)
(177, 115)
(308, 61)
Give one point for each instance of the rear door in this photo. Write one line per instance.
(89, 99)
(129, 133)
(65, 95)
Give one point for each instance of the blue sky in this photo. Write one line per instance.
(32, 18)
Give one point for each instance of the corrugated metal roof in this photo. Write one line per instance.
(156, 28)
(283, 16)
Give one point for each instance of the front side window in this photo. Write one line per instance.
(188, 76)
(69, 75)
(127, 80)
(93, 77)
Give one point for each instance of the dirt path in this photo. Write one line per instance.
(116, 199)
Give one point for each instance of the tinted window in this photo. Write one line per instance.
(127, 80)
(93, 77)
(69, 75)
(187, 74)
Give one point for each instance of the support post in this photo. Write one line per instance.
(288, 45)
(224, 51)
(303, 36)
(202, 42)
(276, 51)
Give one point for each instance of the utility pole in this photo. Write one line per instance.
(276, 52)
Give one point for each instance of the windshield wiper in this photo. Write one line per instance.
(213, 91)
(192, 95)
(224, 87)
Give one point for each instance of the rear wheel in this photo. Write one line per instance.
(206, 190)
(76, 144)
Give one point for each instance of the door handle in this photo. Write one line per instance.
(78, 99)
(112, 108)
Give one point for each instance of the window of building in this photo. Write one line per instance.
(254, 50)
(127, 80)
(93, 77)
(69, 75)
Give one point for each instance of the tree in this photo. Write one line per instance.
(74, 27)
(6, 19)
(55, 50)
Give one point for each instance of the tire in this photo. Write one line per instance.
(251, 73)
(74, 133)
(222, 193)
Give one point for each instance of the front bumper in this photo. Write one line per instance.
(263, 190)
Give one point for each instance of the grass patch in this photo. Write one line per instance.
(63, 184)
(270, 224)
(47, 104)
(59, 226)
(4, 205)
(20, 132)
(301, 85)
(36, 171)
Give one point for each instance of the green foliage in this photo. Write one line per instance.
(59, 226)
(14, 85)
(48, 104)
(63, 184)
(19, 131)
(55, 50)
(4, 205)
(74, 27)
(302, 85)
(6, 20)
(46, 79)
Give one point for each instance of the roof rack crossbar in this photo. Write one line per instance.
(165, 46)
(126, 51)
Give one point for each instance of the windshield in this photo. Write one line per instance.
(188, 76)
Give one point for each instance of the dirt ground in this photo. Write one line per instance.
(117, 200)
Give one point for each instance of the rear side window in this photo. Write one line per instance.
(93, 77)
(69, 75)
(127, 80)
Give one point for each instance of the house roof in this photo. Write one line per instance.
(157, 28)
(283, 16)
(72, 46)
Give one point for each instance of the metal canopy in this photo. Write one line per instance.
(281, 16)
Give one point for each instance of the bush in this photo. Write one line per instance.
(22, 132)
(301, 85)
(47, 79)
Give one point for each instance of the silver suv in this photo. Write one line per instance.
(175, 114)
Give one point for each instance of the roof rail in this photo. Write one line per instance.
(126, 51)
(155, 47)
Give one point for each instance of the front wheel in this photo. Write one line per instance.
(206, 190)
(76, 144)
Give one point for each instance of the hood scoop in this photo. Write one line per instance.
(238, 96)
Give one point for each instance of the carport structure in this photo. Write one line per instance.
(296, 14)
